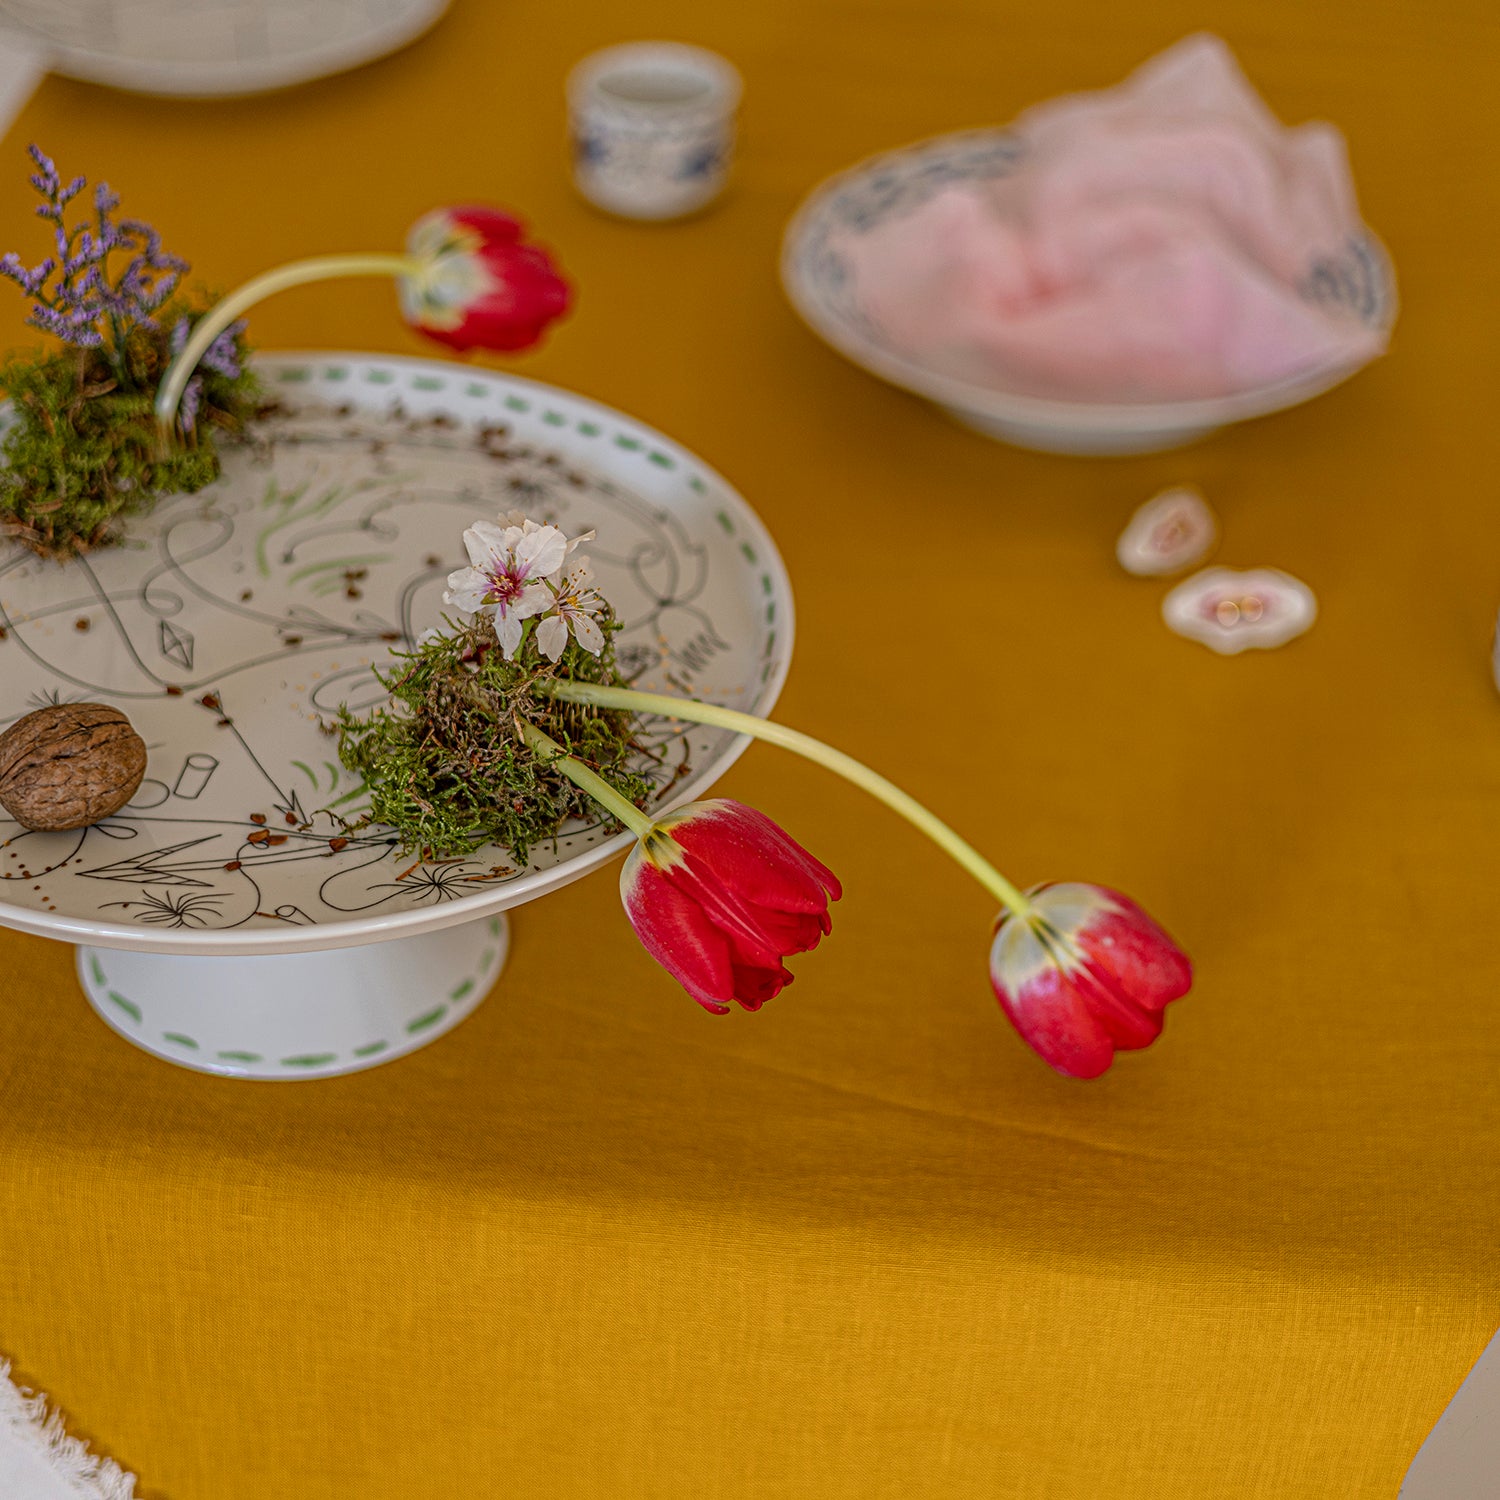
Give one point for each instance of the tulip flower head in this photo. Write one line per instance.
(468, 280)
(478, 285)
(1084, 974)
(719, 896)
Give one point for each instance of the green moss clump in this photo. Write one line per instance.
(82, 450)
(444, 765)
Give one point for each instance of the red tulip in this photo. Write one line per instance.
(480, 286)
(720, 895)
(1085, 974)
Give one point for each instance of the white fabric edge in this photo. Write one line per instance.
(38, 1431)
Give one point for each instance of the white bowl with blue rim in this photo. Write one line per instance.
(228, 918)
(820, 284)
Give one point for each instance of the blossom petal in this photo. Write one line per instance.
(486, 544)
(588, 634)
(535, 597)
(508, 629)
(552, 637)
(467, 590)
(540, 553)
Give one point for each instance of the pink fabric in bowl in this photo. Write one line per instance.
(1148, 248)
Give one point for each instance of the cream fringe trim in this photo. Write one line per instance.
(24, 1417)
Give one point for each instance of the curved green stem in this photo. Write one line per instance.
(222, 314)
(800, 744)
(580, 775)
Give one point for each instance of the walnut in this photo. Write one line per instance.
(69, 765)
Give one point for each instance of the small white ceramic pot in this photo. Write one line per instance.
(652, 126)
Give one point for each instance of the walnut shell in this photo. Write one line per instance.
(69, 765)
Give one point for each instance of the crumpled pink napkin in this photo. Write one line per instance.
(1148, 248)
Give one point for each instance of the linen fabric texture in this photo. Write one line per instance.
(861, 1245)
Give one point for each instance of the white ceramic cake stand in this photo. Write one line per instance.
(228, 918)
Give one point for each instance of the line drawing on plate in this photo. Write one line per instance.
(197, 767)
(232, 623)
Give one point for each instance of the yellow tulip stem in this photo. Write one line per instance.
(815, 750)
(222, 314)
(579, 774)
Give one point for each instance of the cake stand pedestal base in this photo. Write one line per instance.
(296, 1015)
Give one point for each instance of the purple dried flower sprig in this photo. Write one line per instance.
(222, 357)
(84, 449)
(75, 296)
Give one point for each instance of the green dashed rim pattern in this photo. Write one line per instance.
(134, 1017)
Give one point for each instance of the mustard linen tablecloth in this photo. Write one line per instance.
(597, 1243)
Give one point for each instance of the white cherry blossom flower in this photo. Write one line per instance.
(509, 564)
(575, 602)
(516, 518)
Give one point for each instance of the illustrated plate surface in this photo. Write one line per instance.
(234, 622)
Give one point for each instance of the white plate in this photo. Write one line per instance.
(820, 286)
(280, 586)
(207, 48)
